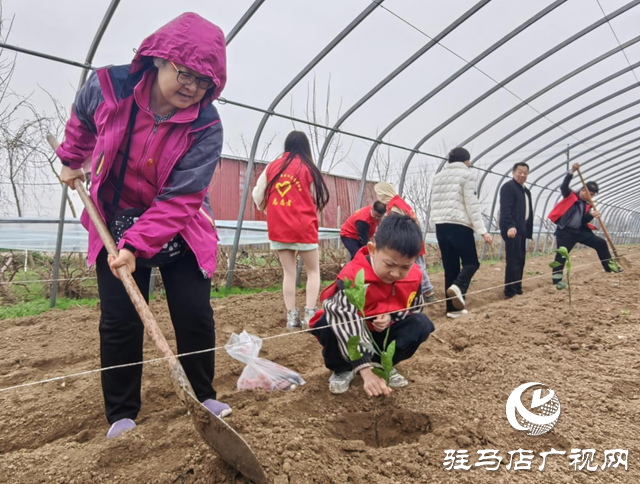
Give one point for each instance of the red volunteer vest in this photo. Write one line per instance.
(349, 228)
(381, 297)
(291, 212)
(398, 202)
(565, 204)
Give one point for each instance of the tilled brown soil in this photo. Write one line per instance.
(460, 381)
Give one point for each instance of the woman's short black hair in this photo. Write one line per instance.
(459, 154)
(400, 233)
(593, 187)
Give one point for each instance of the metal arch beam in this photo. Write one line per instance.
(550, 110)
(448, 81)
(243, 20)
(544, 91)
(95, 43)
(546, 187)
(593, 148)
(553, 108)
(535, 182)
(544, 211)
(554, 126)
(551, 86)
(580, 128)
(434, 41)
(511, 78)
(556, 179)
(625, 192)
(256, 139)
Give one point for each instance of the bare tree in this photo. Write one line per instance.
(336, 152)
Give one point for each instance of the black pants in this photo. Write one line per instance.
(570, 237)
(408, 334)
(352, 245)
(457, 244)
(516, 250)
(121, 331)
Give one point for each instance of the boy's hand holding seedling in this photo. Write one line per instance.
(373, 384)
(382, 322)
(376, 380)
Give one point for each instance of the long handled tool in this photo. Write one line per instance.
(216, 433)
(621, 260)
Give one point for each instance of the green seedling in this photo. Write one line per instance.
(356, 294)
(625, 312)
(564, 253)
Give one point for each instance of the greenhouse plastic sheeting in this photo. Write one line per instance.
(41, 236)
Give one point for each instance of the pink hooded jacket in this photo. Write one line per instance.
(185, 165)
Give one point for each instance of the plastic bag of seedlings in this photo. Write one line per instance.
(259, 374)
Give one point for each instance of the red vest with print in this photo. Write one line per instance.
(380, 297)
(565, 204)
(406, 208)
(349, 228)
(291, 212)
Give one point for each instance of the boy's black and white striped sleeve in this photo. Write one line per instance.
(345, 322)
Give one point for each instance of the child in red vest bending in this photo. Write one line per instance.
(360, 227)
(572, 216)
(393, 286)
(388, 195)
(292, 191)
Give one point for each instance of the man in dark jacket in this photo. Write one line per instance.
(516, 226)
(573, 215)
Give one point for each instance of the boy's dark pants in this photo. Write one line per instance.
(457, 245)
(570, 237)
(121, 331)
(408, 334)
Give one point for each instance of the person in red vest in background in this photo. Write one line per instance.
(292, 191)
(360, 227)
(388, 195)
(572, 216)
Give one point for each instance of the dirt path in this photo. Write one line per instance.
(456, 400)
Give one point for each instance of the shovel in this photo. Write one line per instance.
(621, 260)
(216, 433)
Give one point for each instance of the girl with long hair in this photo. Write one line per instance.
(292, 192)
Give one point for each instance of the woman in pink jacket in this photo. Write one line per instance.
(154, 138)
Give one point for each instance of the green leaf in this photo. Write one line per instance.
(563, 252)
(387, 357)
(568, 266)
(352, 348)
(555, 264)
(380, 372)
(356, 291)
(561, 285)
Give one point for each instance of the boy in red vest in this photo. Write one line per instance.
(360, 227)
(572, 216)
(393, 286)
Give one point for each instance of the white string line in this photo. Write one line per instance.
(33, 281)
(281, 335)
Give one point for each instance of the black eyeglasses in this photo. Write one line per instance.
(185, 78)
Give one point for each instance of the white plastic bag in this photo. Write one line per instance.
(259, 373)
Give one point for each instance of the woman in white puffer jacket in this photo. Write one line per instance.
(455, 210)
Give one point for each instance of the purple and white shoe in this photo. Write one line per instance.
(119, 427)
(217, 408)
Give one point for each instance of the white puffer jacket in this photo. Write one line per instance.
(454, 199)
